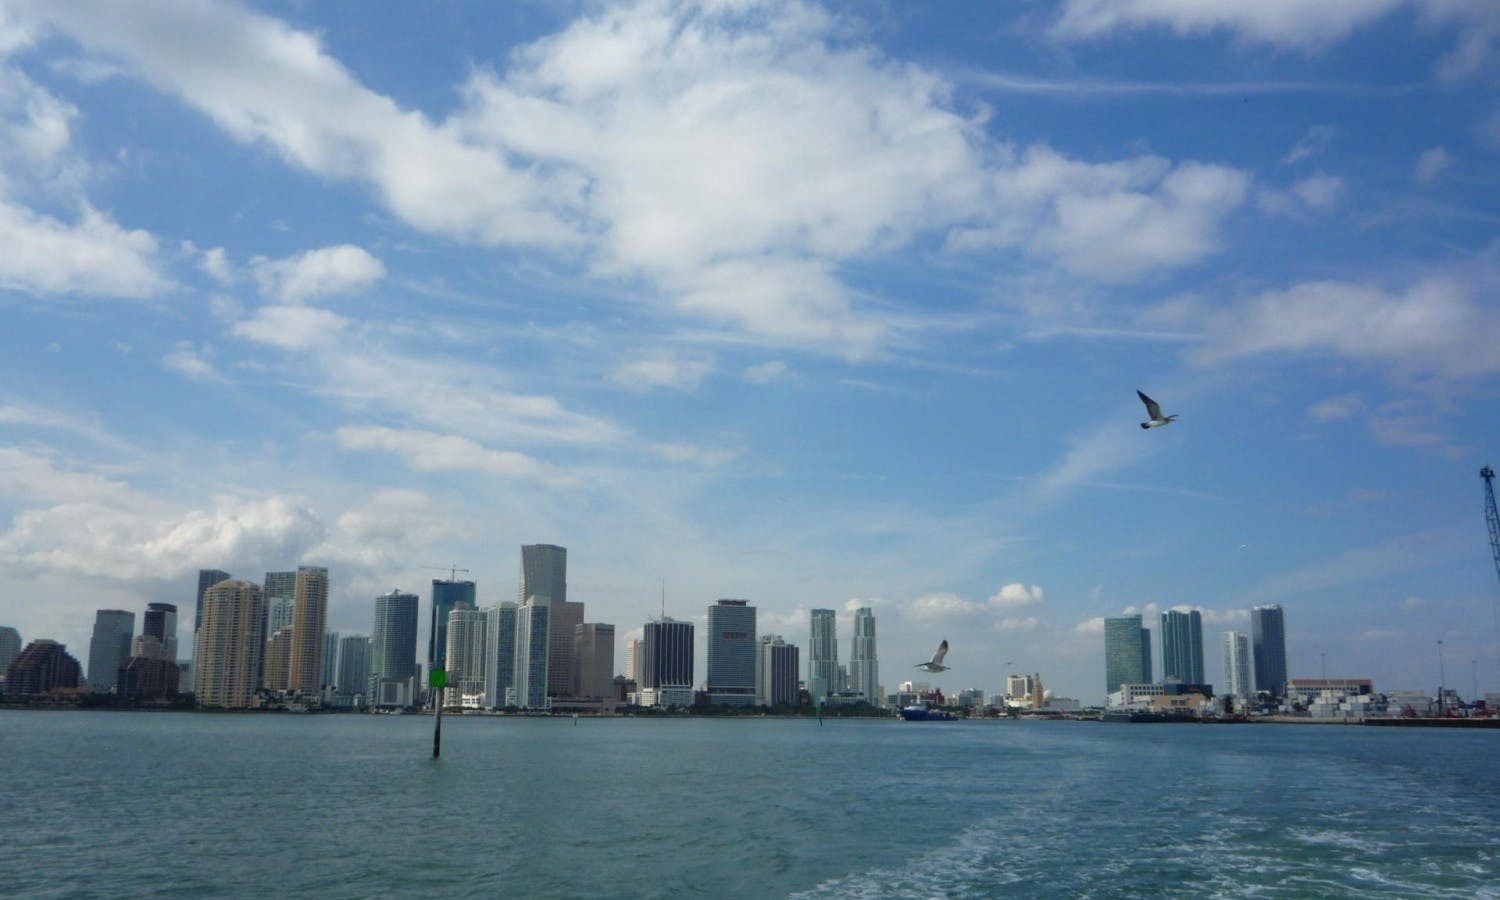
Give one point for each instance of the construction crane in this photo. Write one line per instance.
(1491, 517)
(451, 570)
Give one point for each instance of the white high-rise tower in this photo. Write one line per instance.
(864, 671)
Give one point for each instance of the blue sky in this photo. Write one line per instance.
(817, 306)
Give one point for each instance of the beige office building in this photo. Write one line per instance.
(229, 645)
(307, 630)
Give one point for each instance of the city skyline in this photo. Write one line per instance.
(822, 305)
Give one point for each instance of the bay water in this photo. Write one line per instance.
(124, 804)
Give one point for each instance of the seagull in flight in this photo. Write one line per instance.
(1153, 409)
(936, 663)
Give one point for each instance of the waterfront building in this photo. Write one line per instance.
(145, 677)
(446, 596)
(1268, 634)
(776, 672)
(864, 670)
(353, 679)
(1172, 696)
(632, 659)
(42, 667)
(500, 655)
(823, 656)
(544, 573)
(307, 630)
(330, 672)
(1237, 669)
(594, 658)
(1127, 652)
(10, 647)
(147, 647)
(667, 663)
(160, 622)
(1182, 646)
(1024, 691)
(393, 651)
(532, 621)
(276, 665)
(564, 620)
(280, 586)
(229, 647)
(109, 648)
(731, 653)
(207, 578)
(465, 655)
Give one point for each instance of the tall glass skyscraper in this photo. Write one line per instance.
(823, 655)
(1182, 646)
(393, 650)
(465, 656)
(532, 621)
(864, 671)
(110, 648)
(1268, 630)
(207, 578)
(544, 572)
(776, 672)
(1127, 652)
(160, 622)
(666, 664)
(446, 596)
(1237, 665)
(500, 655)
(354, 668)
(731, 653)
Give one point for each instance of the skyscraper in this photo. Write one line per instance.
(565, 619)
(632, 660)
(307, 630)
(666, 663)
(532, 620)
(1237, 665)
(731, 653)
(864, 671)
(229, 648)
(10, 647)
(1182, 646)
(160, 622)
(109, 648)
(280, 586)
(354, 668)
(500, 655)
(276, 665)
(41, 667)
(330, 672)
(594, 659)
(393, 650)
(207, 578)
(1268, 630)
(776, 671)
(1127, 652)
(823, 656)
(446, 596)
(544, 572)
(465, 655)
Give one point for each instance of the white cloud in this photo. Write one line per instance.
(1436, 326)
(35, 474)
(1111, 446)
(1332, 409)
(1433, 162)
(1016, 623)
(765, 373)
(940, 606)
(1290, 23)
(216, 265)
(343, 269)
(1413, 602)
(666, 371)
(91, 256)
(1315, 194)
(1315, 141)
(690, 453)
(190, 360)
(1090, 627)
(291, 327)
(1013, 596)
(431, 452)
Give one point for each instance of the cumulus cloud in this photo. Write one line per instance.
(665, 371)
(1316, 194)
(1016, 595)
(1433, 162)
(91, 255)
(324, 272)
(291, 327)
(940, 606)
(427, 451)
(1089, 627)
(189, 359)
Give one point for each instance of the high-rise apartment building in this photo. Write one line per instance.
(109, 648)
(594, 659)
(160, 622)
(731, 653)
(330, 672)
(207, 578)
(276, 664)
(666, 663)
(280, 586)
(1182, 646)
(229, 646)
(776, 672)
(1127, 652)
(532, 621)
(823, 656)
(500, 655)
(43, 666)
(561, 675)
(632, 660)
(446, 596)
(10, 647)
(307, 630)
(393, 651)
(1268, 634)
(353, 678)
(544, 573)
(864, 670)
(1237, 666)
(466, 652)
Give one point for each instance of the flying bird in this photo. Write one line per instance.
(1153, 409)
(936, 663)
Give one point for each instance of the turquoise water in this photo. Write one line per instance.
(132, 804)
